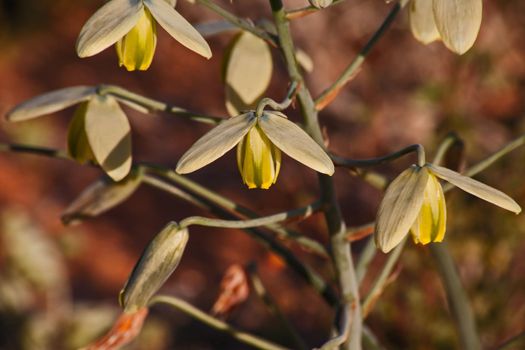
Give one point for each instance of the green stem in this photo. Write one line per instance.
(352, 68)
(291, 260)
(307, 10)
(366, 257)
(36, 150)
(304, 242)
(154, 105)
(262, 293)
(340, 247)
(380, 282)
(261, 221)
(190, 310)
(239, 22)
(277, 106)
(457, 297)
(364, 163)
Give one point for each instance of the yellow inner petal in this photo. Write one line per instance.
(259, 161)
(137, 48)
(430, 224)
(77, 142)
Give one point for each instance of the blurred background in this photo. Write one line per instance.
(59, 285)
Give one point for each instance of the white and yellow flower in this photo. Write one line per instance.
(99, 131)
(455, 22)
(259, 141)
(414, 202)
(131, 25)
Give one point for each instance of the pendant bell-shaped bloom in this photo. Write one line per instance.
(99, 131)
(415, 201)
(131, 23)
(430, 223)
(136, 49)
(258, 159)
(260, 139)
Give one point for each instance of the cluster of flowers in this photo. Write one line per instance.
(100, 132)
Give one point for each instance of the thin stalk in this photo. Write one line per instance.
(269, 242)
(366, 257)
(36, 150)
(154, 105)
(262, 293)
(444, 147)
(251, 223)
(239, 22)
(331, 92)
(364, 163)
(277, 106)
(382, 279)
(307, 10)
(485, 163)
(190, 310)
(457, 297)
(340, 247)
(304, 242)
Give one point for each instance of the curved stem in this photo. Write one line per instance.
(364, 163)
(329, 94)
(239, 22)
(261, 221)
(154, 105)
(276, 247)
(307, 10)
(190, 310)
(277, 106)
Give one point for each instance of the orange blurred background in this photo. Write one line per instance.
(406, 93)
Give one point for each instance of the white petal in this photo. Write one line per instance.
(476, 188)
(295, 142)
(50, 102)
(108, 25)
(458, 22)
(101, 196)
(177, 26)
(248, 71)
(215, 143)
(400, 207)
(109, 136)
(422, 21)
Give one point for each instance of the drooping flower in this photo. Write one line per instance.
(414, 202)
(131, 25)
(99, 131)
(455, 22)
(260, 141)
